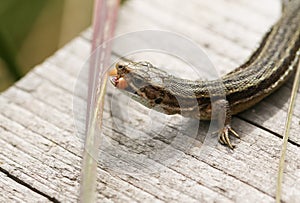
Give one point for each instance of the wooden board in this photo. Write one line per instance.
(40, 157)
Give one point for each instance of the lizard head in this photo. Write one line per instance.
(140, 80)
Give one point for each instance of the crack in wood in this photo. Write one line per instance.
(23, 183)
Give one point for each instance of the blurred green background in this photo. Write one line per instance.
(32, 30)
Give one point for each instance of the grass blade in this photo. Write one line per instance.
(286, 134)
(105, 13)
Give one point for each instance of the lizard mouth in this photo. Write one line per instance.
(116, 80)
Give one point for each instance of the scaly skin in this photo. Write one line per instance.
(265, 71)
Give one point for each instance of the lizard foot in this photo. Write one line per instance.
(224, 136)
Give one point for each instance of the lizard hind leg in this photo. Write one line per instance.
(224, 120)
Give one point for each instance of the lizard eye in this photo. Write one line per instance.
(121, 65)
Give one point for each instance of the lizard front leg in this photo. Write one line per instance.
(224, 120)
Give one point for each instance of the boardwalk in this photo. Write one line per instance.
(41, 154)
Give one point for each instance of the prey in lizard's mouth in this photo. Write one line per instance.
(117, 75)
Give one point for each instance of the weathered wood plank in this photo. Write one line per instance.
(61, 86)
(41, 147)
(12, 191)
